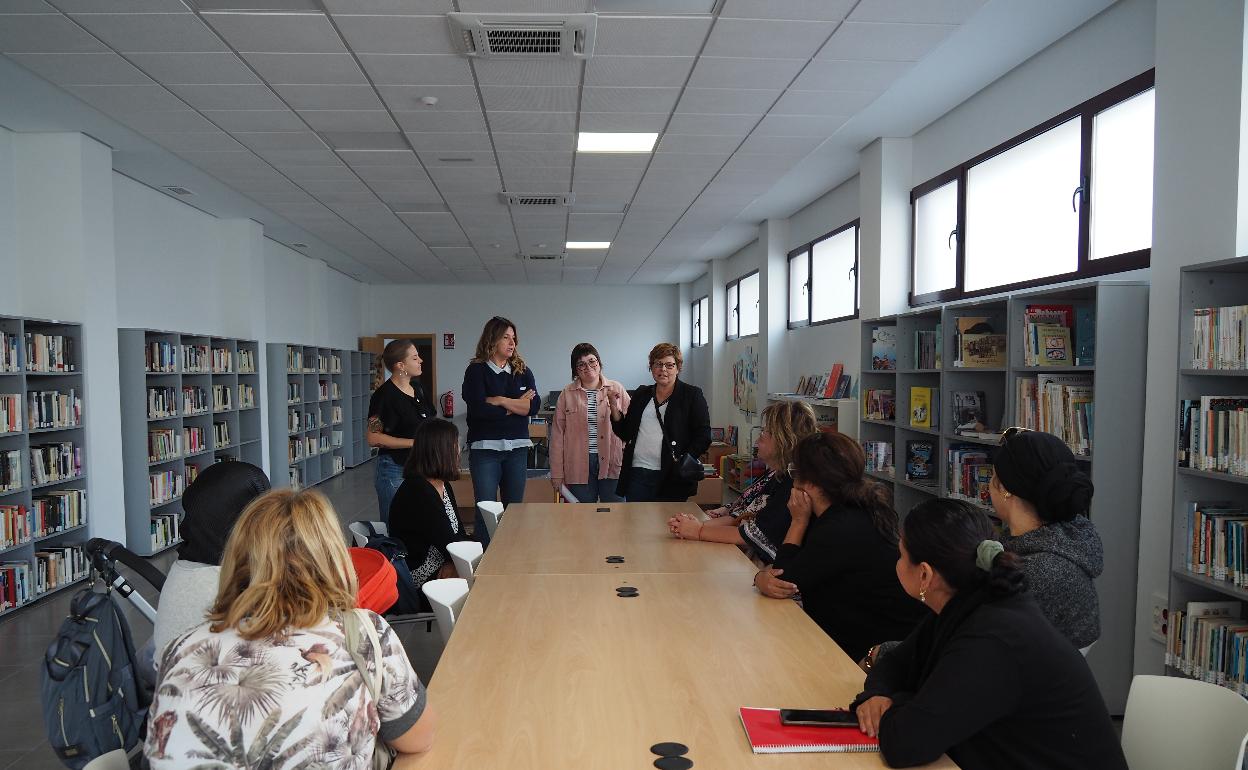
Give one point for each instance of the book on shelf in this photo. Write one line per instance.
(968, 472)
(921, 462)
(927, 348)
(160, 358)
(166, 530)
(246, 361)
(879, 404)
(834, 379)
(924, 407)
(1085, 336)
(192, 473)
(1219, 337)
(1209, 641)
(222, 361)
(163, 444)
(53, 409)
(16, 525)
(1054, 345)
(11, 476)
(58, 511)
(983, 351)
(195, 359)
(970, 416)
(16, 585)
(842, 386)
(1036, 316)
(768, 736)
(50, 353)
(50, 463)
(1215, 541)
(246, 396)
(10, 357)
(193, 440)
(879, 456)
(165, 486)
(884, 348)
(59, 566)
(1213, 434)
(194, 400)
(1061, 404)
(10, 413)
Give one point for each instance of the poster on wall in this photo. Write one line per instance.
(448, 341)
(745, 381)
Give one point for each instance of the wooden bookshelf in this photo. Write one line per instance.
(1121, 311)
(25, 378)
(310, 413)
(214, 417)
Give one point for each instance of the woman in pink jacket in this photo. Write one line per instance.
(585, 453)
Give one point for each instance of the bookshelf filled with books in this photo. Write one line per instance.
(361, 379)
(43, 498)
(1207, 625)
(939, 385)
(187, 401)
(310, 413)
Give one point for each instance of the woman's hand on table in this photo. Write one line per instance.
(768, 583)
(869, 713)
(685, 526)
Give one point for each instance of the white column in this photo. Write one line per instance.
(773, 322)
(884, 245)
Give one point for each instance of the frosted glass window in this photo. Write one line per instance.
(704, 316)
(834, 282)
(749, 305)
(733, 319)
(799, 288)
(1122, 178)
(1020, 224)
(935, 252)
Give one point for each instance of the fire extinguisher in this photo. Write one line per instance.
(448, 404)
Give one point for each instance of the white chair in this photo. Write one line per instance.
(1173, 722)
(447, 597)
(491, 511)
(466, 554)
(360, 534)
(113, 760)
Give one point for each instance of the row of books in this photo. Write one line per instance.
(335, 391)
(21, 582)
(968, 471)
(1209, 641)
(10, 357)
(50, 463)
(54, 409)
(160, 357)
(246, 361)
(166, 530)
(222, 398)
(221, 434)
(335, 415)
(295, 449)
(295, 476)
(195, 359)
(294, 359)
(831, 384)
(1061, 404)
(194, 400)
(165, 486)
(193, 440)
(927, 354)
(10, 413)
(222, 360)
(294, 393)
(16, 525)
(162, 402)
(1216, 542)
(50, 353)
(58, 511)
(323, 390)
(879, 456)
(1213, 434)
(340, 464)
(1059, 335)
(163, 444)
(879, 404)
(1219, 337)
(11, 476)
(246, 396)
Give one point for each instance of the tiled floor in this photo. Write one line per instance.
(25, 636)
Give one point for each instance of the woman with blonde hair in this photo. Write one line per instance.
(286, 671)
(501, 395)
(759, 518)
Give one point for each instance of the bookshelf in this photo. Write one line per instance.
(187, 401)
(361, 391)
(311, 416)
(1208, 285)
(1120, 311)
(44, 519)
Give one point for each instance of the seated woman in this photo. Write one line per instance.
(841, 548)
(270, 680)
(423, 514)
(985, 677)
(758, 518)
(213, 503)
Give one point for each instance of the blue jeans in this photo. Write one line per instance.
(494, 471)
(596, 489)
(387, 480)
(643, 487)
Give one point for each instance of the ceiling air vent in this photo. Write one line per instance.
(540, 257)
(529, 200)
(512, 36)
(176, 190)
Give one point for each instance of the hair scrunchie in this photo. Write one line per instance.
(986, 553)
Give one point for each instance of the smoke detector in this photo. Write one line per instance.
(524, 36)
(529, 200)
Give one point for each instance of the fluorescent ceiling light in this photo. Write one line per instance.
(590, 141)
(588, 245)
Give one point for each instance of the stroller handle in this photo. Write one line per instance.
(103, 551)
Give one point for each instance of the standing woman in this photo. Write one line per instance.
(584, 452)
(501, 395)
(664, 424)
(397, 407)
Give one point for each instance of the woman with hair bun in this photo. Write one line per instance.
(985, 677)
(396, 409)
(1041, 494)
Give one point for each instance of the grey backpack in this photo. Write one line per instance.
(92, 703)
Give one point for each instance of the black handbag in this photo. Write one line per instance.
(688, 468)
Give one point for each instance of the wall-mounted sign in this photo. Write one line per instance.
(448, 341)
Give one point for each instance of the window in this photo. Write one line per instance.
(741, 297)
(823, 278)
(1070, 198)
(733, 321)
(699, 314)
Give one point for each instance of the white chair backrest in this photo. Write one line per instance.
(466, 554)
(359, 531)
(113, 760)
(447, 597)
(491, 511)
(1176, 723)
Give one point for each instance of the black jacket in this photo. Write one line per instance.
(686, 430)
(994, 685)
(419, 518)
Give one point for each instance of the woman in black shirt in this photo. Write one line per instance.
(841, 548)
(423, 514)
(985, 677)
(394, 412)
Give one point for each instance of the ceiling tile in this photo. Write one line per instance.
(613, 160)
(453, 98)
(280, 140)
(593, 227)
(124, 99)
(533, 122)
(365, 140)
(633, 175)
(228, 97)
(45, 33)
(25, 6)
(358, 158)
(82, 68)
(767, 39)
(823, 102)
(535, 159)
(408, 174)
(530, 98)
(150, 32)
(929, 12)
(457, 159)
(761, 144)
(800, 125)
(439, 121)
(277, 32)
(623, 121)
(441, 141)
(651, 36)
(632, 71)
(407, 187)
(307, 68)
(669, 160)
(689, 143)
(256, 120)
(396, 34)
(514, 72)
(320, 187)
(389, 6)
(652, 100)
(323, 97)
(224, 68)
(168, 120)
(194, 140)
(284, 157)
(417, 69)
(812, 10)
(884, 42)
(339, 172)
(847, 75)
(348, 120)
(716, 125)
(222, 160)
(123, 6)
(728, 101)
(561, 142)
(725, 72)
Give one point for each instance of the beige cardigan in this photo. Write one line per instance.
(569, 437)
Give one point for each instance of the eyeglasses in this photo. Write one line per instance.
(1012, 431)
(663, 365)
(791, 470)
(587, 364)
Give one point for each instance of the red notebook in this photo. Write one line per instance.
(768, 736)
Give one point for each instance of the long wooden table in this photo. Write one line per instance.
(556, 671)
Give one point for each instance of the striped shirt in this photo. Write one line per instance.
(591, 397)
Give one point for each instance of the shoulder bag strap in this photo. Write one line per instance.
(356, 624)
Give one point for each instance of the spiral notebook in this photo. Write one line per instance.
(768, 736)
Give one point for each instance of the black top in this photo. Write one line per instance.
(399, 414)
(994, 685)
(686, 430)
(487, 422)
(419, 518)
(764, 506)
(847, 574)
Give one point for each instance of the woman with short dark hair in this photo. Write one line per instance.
(585, 453)
(984, 677)
(424, 514)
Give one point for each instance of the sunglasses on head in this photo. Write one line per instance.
(1010, 432)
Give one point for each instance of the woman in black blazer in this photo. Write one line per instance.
(423, 514)
(664, 423)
